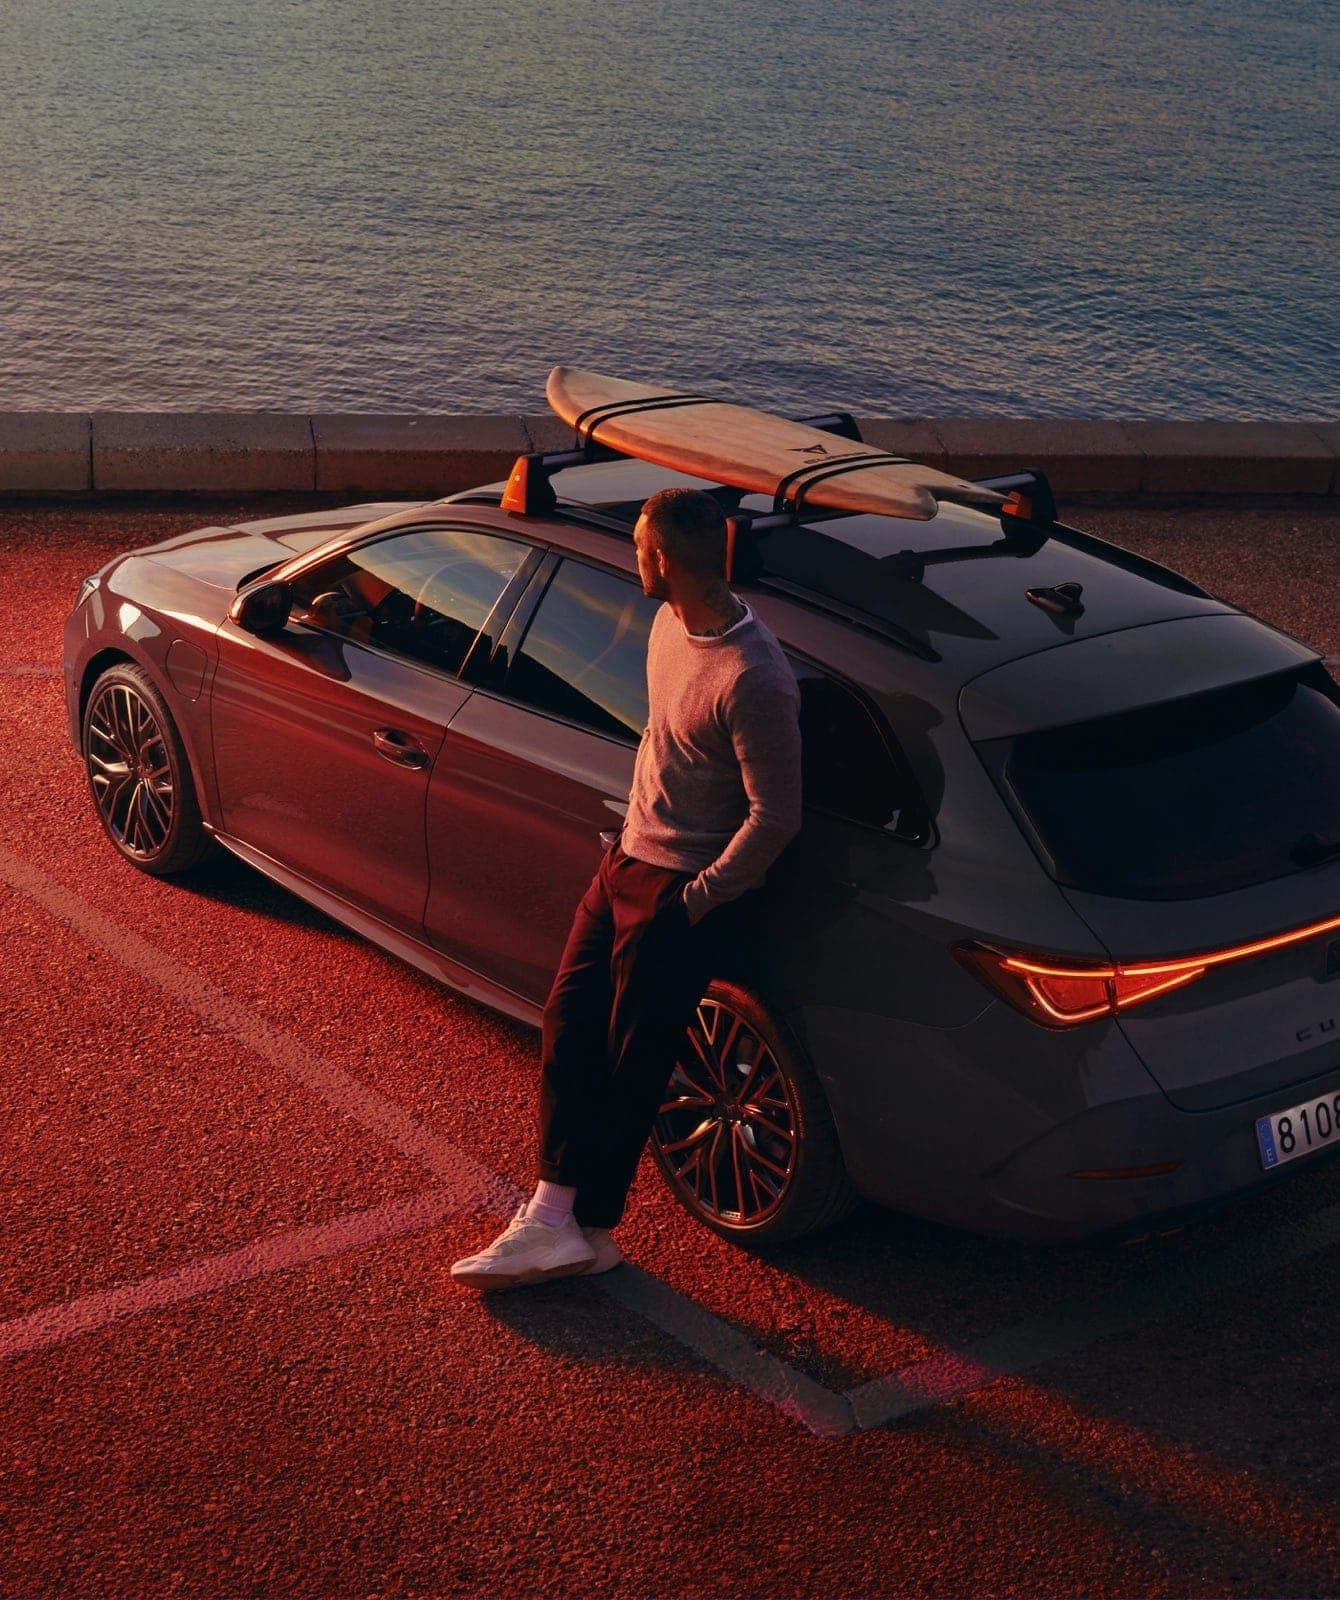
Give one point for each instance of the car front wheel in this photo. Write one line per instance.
(139, 776)
(744, 1136)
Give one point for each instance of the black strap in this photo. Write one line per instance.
(796, 485)
(592, 417)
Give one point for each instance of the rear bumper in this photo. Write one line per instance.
(1217, 1152)
(981, 1126)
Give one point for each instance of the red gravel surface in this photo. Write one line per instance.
(328, 1415)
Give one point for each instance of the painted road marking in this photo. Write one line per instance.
(472, 1184)
(36, 1330)
(727, 1349)
(915, 1388)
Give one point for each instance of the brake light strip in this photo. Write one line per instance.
(1187, 965)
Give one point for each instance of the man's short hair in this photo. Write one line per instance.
(691, 528)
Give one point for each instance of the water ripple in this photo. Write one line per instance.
(1073, 207)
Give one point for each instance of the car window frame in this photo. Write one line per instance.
(511, 637)
(518, 624)
(474, 662)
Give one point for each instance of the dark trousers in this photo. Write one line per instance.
(632, 973)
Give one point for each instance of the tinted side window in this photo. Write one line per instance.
(424, 594)
(584, 655)
(848, 768)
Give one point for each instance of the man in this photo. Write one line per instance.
(715, 797)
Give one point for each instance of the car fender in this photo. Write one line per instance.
(172, 643)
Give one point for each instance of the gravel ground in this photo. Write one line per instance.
(342, 1421)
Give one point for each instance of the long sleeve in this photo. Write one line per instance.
(762, 713)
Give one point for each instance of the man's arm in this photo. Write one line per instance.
(764, 719)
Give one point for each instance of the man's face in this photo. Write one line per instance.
(648, 564)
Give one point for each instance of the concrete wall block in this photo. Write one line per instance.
(912, 437)
(44, 452)
(1079, 455)
(423, 456)
(1329, 435)
(548, 432)
(414, 455)
(1233, 458)
(201, 452)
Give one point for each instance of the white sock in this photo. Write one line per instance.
(551, 1203)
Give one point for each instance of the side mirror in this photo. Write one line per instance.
(263, 610)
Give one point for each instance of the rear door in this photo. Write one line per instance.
(533, 769)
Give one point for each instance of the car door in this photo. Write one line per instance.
(325, 736)
(533, 769)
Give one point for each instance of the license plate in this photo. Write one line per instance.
(1286, 1135)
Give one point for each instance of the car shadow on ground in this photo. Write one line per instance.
(1212, 1419)
(1208, 1430)
(225, 878)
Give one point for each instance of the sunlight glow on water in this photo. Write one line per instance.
(1068, 207)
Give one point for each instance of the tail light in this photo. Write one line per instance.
(1061, 994)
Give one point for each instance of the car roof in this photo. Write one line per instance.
(951, 590)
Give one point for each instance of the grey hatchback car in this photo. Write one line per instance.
(1056, 952)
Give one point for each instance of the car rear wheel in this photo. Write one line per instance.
(744, 1136)
(139, 776)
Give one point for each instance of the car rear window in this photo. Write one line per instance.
(1211, 793)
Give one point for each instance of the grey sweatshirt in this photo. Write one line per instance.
(716, 784)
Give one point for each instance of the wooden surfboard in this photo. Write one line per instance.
(750, 449)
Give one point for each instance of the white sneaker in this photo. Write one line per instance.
(607, 1252)
(527, 1251)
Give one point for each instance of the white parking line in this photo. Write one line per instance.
(467, 1184)
(36, 1330)
(471, 1185)
(800, 1397)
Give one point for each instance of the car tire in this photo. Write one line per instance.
(756, 1125)
(139, 776)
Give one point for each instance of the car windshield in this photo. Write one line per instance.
(1208, 794)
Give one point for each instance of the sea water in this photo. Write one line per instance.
(1044, 208)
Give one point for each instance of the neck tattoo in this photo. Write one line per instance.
(737, 608)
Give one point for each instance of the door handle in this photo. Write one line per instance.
(399, 747)
(610, 836)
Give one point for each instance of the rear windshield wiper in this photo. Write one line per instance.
(1310, 851)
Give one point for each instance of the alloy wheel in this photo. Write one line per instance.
(727, 1133)
(130, 771)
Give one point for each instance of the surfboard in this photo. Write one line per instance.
(753, 450)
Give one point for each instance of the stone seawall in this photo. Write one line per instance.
(64, 453)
